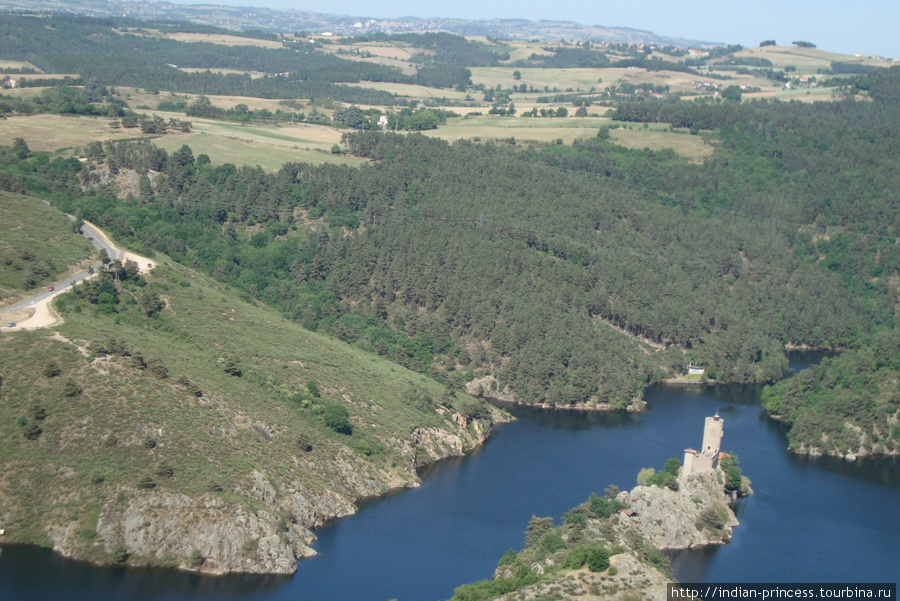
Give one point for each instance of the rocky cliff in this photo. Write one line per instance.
(268, 535)
(215, 436)
(610, 548)
(697, 514)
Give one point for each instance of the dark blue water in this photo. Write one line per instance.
(810, 520)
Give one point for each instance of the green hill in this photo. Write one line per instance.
(213, 434)
(36, 244)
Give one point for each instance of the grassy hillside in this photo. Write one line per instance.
(194, 401)
(37, 244)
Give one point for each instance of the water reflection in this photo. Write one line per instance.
(571, 420)
(423, 543)
(27, 568)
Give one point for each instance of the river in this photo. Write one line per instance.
(811, 520)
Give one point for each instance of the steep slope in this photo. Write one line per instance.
(170, 422)
(609, 547)
(36, 246)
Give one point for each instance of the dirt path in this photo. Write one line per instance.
(35, 312)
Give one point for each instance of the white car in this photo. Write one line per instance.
(10, 324)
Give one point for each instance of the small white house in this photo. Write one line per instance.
(695, 370)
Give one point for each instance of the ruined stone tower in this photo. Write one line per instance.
(708, 457)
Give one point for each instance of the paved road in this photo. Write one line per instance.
(100, 241)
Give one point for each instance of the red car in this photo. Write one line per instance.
(50, 289)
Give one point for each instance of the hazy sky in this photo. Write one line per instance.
(867, 26)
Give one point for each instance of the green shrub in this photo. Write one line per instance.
(32, 432)
(536, 529)
(71, 388)
(52, 369)
(121, 555)
(338, 419)
(196, 559)
(304, 443)
(575, 518)
(550, 543)
(603, 508)
(644, 476)
(158, 368)
(732, 470)
(598, 558)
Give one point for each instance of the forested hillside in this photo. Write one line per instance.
(168, 422)
(849, 405)
(526, 268)
(563, 274)
(98, 51)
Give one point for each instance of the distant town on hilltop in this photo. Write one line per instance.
(283, 21)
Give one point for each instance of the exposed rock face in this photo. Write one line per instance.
(698, 513)
(695, 515)
(208, 534)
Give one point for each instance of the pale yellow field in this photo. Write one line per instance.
(527, 129)
(23, 92)
(411, 90)
(253, 74)
(225, 40)
(522, 50)
(395, 51)
(801, 94)
(242, 152)
(807, 60)
(46, 76)
(137, 97)
(391, 55)
(54, 132)
(521, 128)
(580, 79)
(5, 64)
(695, 148)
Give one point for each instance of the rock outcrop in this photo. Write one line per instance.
(269, 533)
(697, 514)
(557, 562)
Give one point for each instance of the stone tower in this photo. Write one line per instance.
(708, 457)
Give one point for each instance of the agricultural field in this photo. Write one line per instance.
(581, 79)
(223, 39)
(523, 129)
(270, 157)
(412, 91)
(7, 64)
(264, 145)
(483, 128)
(659, 137)
(252, 74)
(808, 61)
(48, 133)
(391, 54)
(137, 97)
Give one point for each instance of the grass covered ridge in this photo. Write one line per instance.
(37, 244)
(196, 398)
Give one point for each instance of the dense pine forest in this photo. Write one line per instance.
(562, 274)
(535, 271)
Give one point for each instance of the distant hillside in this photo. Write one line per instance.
(289, 21)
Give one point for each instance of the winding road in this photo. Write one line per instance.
(35, 312)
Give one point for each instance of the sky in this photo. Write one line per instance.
(844, 26)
